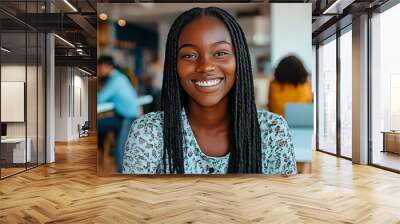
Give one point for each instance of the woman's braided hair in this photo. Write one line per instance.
(245, 154)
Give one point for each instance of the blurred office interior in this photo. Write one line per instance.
(135, 35)
(48, 61)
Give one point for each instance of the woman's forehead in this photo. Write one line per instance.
(204, 30)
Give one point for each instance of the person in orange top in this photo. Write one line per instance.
(290, 85)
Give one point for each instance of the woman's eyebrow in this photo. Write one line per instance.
(187, 45)
(216, 43)
(221, 42)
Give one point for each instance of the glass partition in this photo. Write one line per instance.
(385, 89)
(327, 96)
(346, 94)
(14, 152)
(22, 89)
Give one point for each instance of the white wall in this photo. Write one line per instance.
(163, 28)
(313, 85)
(62, 81)
(13, 73)
(291, 31)
(79, 117)
(70, 83)
(13, 101)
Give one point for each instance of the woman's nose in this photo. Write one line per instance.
(205, 65)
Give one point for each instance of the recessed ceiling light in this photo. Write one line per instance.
(103, 16)
(5, 50)
(84, 71)
(70, 5)
(65, 41)
(337, 7)
(121, 22)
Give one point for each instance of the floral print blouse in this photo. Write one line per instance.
(144, 147)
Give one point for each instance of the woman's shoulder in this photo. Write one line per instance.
(149, 127)
(152, 118)
(143, 147)
(277, 146)
(272, 126)
(268, 119)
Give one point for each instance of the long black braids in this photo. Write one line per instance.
(245, 154)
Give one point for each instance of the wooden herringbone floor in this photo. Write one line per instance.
(69, 191)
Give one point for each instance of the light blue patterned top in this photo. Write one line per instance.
(144, 147)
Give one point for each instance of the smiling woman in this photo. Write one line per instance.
(209, 122)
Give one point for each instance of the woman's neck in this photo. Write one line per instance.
(215, 118)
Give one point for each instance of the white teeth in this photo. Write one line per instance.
(208, 83)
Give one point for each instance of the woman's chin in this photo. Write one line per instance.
(209, 101)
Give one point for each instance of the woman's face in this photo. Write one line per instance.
(206, 61)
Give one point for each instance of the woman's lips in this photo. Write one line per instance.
(208, 85)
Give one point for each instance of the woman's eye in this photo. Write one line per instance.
(189, 56)
(221, 54)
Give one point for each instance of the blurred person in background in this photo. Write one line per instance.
(290, 85)
(117, 91)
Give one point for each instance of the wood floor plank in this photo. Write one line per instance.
(70, 191)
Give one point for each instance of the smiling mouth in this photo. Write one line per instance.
(208, 83)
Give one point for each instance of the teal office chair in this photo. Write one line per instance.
(300, 118)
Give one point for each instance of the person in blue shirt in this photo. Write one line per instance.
(209, 123)
(118, 91)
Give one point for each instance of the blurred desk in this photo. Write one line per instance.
(391, 141)
(146, 99)
(13, 150)
(109, 107)
(105, 107)
(105, 110)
